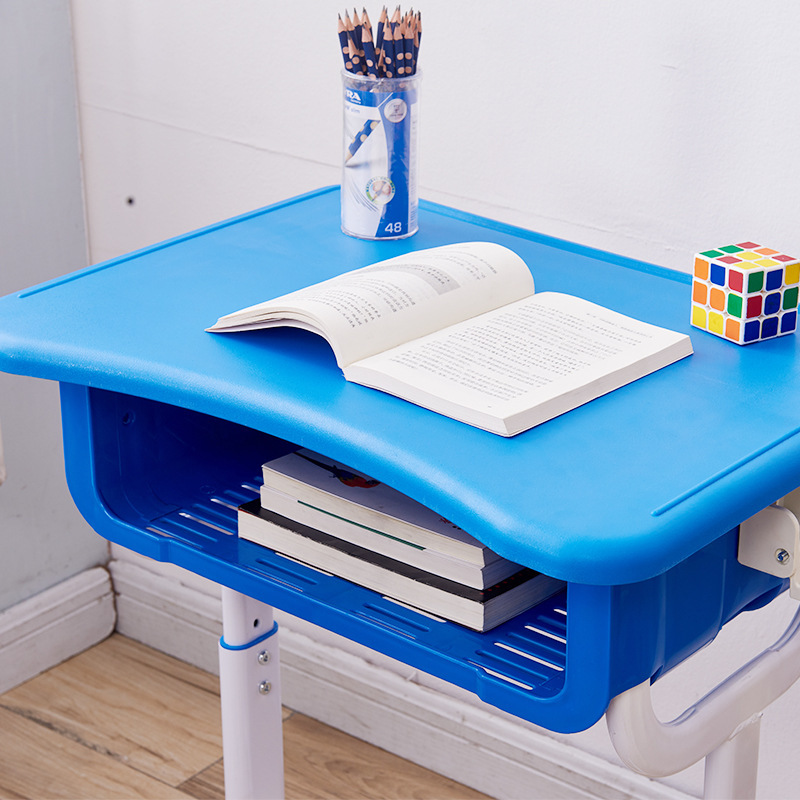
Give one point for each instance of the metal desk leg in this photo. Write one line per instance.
(732, 769)
(249, 672)
(722, 727)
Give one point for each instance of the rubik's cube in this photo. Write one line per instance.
(745, 292)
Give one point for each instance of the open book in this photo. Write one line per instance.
(459, 330)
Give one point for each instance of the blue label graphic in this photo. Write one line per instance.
(379, 193)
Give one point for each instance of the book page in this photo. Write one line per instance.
(369, 310)
(527, 353)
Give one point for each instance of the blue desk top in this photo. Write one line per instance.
(616, 491)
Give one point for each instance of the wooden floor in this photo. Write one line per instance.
(124, 721)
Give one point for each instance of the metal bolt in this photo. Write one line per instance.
(263, 657)
(264, 687)
(782, 556)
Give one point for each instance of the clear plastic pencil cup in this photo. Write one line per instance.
(379, 174)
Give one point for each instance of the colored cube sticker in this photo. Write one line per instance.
(745, 292)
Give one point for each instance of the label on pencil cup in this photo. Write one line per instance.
(379, 177)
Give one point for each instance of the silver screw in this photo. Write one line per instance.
(782, 556)
(264, 687)
(263, 657)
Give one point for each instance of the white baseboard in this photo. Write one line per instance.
(54, 625)
(469, 742)
(165, 614)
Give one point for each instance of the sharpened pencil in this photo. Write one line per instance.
(366, 25)
(399, 54)
(408, 46)
(370, 58)
(356, 32)
(388, 51)
(342, 31)
(379, 33)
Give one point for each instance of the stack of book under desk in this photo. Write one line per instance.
(328, 516)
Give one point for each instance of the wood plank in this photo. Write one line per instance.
(322, 762)
(40, 762)
(147, 658)
(151, 711)
(123, 720)
(208, 784)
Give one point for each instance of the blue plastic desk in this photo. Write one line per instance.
(634, 498)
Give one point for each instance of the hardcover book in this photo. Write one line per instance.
(415, 555)
(329, 495)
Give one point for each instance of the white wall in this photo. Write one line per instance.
(650, 130)
(646, 129)
(42, 234)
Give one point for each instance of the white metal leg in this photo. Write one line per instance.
(722, 726)
(732, 769)
(249, 672)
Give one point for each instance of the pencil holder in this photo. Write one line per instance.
(379, 175)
